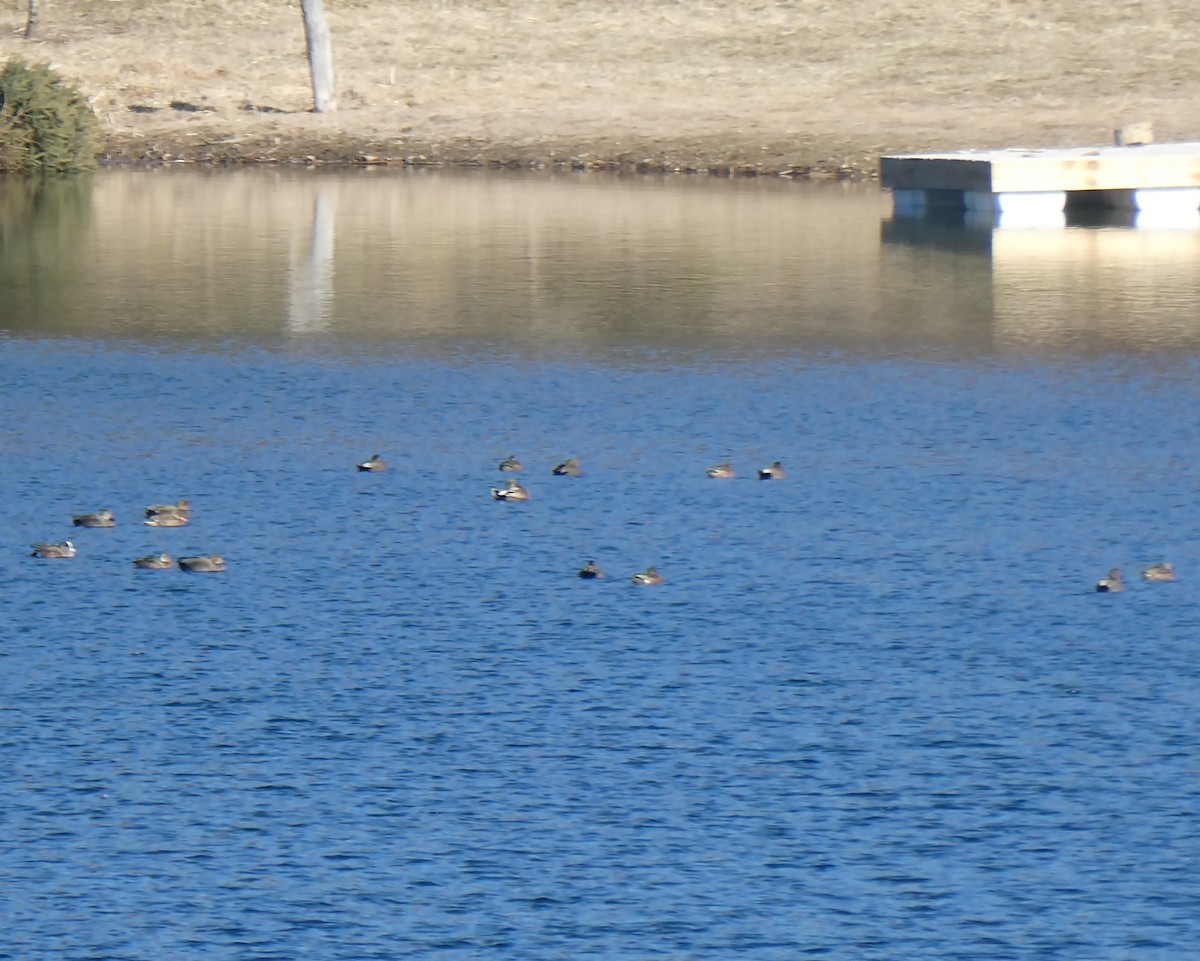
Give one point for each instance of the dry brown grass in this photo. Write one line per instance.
(749, 84)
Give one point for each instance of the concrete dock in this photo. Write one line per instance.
(1160, 181)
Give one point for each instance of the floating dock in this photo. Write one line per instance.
(1160, 181)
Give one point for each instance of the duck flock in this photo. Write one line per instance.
(178, 514)
(514, 491)
(1113, 583)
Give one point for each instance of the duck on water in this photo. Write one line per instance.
(202, 563)
(102, 518)
(154, 562)
(61, 549)
(373, 463)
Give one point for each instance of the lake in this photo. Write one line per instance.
(876, 710)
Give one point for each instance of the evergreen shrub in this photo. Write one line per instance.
(46, 124)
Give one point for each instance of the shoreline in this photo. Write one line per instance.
(316, 140)
(837, 142)
(464, 157)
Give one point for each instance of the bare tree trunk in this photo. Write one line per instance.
(320, 56)
(31, 21)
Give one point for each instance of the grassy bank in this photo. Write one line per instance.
(800, 87)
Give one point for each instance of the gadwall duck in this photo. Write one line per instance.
(61, 549)
(721, 470)
(511, 491)
(374, 463)
(154, 562)
(774, 472)
(1111, 584)
(568, 468)
(205, 562)
(649, 576)
(166, 519)
(511, 464)
(1160, 572)
(589, 571)
(183, 507)
(102, 518)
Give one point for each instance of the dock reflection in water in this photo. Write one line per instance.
(1096, 282)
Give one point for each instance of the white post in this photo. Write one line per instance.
(320, 56)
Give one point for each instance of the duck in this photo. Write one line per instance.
(373, 463)
(182, 506)
(166, 519)
(1111, 584)
(590, 571)
(61, 549)
(102, 518)
(724, 469)
(511, 464)
(202, 563)
(568, 468)
(154, 562)
(774, 472)
(649, 576)
(511, 491)
(1160, 572)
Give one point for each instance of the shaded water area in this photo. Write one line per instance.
(876, 709)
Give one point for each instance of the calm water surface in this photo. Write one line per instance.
(875, 712)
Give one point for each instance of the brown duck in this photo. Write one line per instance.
(202, 563)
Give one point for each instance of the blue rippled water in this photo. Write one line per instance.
(875, 712)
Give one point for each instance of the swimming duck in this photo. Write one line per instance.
(61, 549)
(1111, 584)
(774, 472)
(510, 463)
(204, 562)
(1160, 572)
(374, 463)
(102, 518)
(511, 491)
(724, 469)
(568, 468)
(182, 506)
(166, 519)
(154, 562)
(589, 571)
(649, 576)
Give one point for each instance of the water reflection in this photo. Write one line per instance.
(311, 284)
(562, 264)
(1100, 280)
(44, 229)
